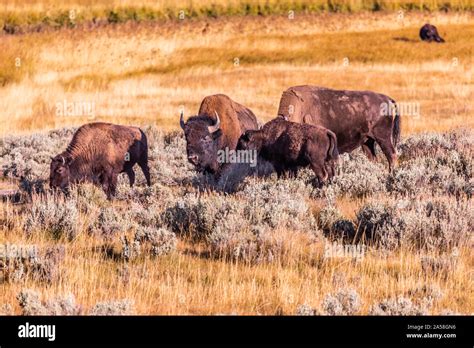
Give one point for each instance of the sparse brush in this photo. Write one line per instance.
(161, 240)
(28, 157)
(344, 302)
(58, 217)
(110, 222)
(255, 245)
(43, 266)
(119, 307)
(31, 304)
(88, 197)
(398, 306)
(47, 266)
(433, 225)
(306, 310)
(356, 176)
(281, 203)
(6, 309)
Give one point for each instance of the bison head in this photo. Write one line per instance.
(251, 140)
(59, 172)
(202, 142)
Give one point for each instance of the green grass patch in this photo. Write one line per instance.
(58, 18)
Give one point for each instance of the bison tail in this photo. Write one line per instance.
(333, 152)
(396, 130)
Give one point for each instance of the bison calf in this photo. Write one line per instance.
(97, 153)
(289, 145)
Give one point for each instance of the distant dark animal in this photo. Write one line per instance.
(358, 118)
(219, 124)
(429, 33)
(97, 153)
(289, 145)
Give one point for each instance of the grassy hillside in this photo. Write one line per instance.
(52, 13)
(142, 74)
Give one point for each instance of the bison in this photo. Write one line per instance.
(97, 153)
(429, 33)
(219, 124)
(288, 146)
(358, 118)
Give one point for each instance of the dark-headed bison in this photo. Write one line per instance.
(429, 33)
(218, 125)
(97, 153)
(289, 145)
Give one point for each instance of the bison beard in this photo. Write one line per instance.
(97, 153)
(289, 145)
(218, 126)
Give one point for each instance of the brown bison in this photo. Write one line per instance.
(429, 33)
(358, 118)
(218, 125)
(97, 153)
(289, 145)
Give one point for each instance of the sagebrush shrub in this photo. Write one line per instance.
(356, 176)
(344, 302)
(118, 307)
(280, 203)
(428, 224)
(31, 304)
(110, 222)
(398, 306)
(162, 241)
(58, 217)
(306, 310)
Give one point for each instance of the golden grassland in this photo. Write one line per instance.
(69, 13)
(188, 282)
(142, 74)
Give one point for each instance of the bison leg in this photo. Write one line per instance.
(389, 152)
(320, 171)
(279, 169)
(131, 176)
(146, 171)
(330, 168)
(369, 148)
(294, 172)
(112, 189)
(109, 183)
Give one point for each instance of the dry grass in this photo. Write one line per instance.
(185, 283)
(142, 73)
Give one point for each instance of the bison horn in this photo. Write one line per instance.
(181, 120)
(215, 127)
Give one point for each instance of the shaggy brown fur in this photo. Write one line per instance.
(202, 146)
(358, 118)
(97, 153)
(289, 145)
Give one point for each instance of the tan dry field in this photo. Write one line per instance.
(142, 73)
